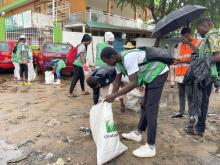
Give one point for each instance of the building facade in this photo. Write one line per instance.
(93, 16)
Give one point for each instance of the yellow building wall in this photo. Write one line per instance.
(77, 5)
(30, 6)
(8, 2)
(21, 9)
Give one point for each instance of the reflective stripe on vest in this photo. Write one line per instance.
(184, 54)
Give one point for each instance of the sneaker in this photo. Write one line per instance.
(73, 95)
(21, 83)
(194, 131)
(28, 83)
(178, 115)
(145, 152)
(58, 82)
(132, 136)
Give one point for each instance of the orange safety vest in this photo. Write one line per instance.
(184, 53)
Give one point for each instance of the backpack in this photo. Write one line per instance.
(73, 55)
(157, 54)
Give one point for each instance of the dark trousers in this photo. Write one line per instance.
(77, 75)
(184, 90)
(24, 71)
(148, 119)
(206, 92)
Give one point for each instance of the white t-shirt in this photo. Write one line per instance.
(81, 49)
(131, 61)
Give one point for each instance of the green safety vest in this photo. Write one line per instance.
(148, 71)
(16, 57)
(99, 48)
(204, 54)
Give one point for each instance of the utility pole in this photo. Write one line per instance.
(53, 9)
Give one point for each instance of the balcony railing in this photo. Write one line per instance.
(97, 17)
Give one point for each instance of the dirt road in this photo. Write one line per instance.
(26, 112)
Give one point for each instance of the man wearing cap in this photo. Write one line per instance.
(108, 41)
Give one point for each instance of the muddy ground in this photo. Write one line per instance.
(26, 110)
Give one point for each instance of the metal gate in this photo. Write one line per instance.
(37, 27)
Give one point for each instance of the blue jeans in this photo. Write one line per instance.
(58, 75)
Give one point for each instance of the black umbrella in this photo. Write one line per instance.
(178, 18)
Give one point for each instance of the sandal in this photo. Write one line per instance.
(85, 93)
(72, 95)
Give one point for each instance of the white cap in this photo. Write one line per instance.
(22, 37)
(109, 36)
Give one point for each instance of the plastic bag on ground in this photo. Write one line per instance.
(134, 99)
(105, 133)
(17, 71)
(49, 77)
(31, 72)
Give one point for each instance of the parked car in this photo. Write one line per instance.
(6, 48)
(51, 51)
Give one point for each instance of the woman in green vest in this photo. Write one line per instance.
(152, 75)
(21, 56)
(80, 65)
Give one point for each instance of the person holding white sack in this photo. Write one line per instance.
(31, 72)
(153, 75)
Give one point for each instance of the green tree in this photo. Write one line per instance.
(213, 9)
(160, 8)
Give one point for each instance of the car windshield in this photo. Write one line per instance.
(4, 47)
(56, 48)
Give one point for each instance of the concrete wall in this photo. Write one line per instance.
(127, 11)
(100, 5)
(145, 42)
